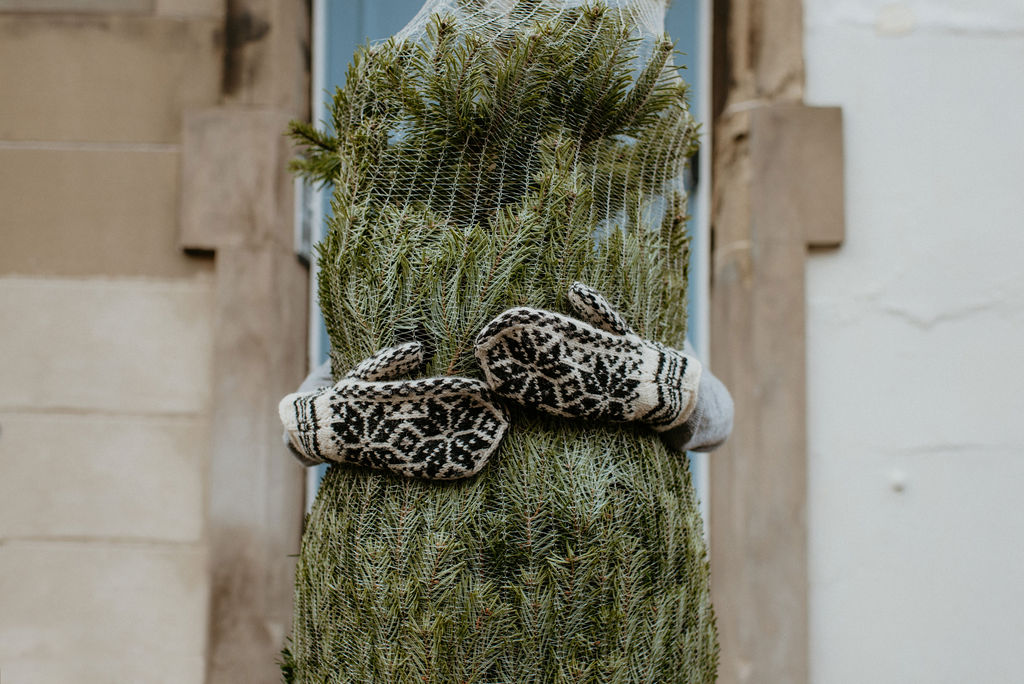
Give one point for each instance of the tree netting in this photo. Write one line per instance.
(487, 156)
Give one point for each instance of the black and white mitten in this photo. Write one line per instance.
(597, 369)
(442, 428)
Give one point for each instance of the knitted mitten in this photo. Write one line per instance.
(441, 428)
(599, 369)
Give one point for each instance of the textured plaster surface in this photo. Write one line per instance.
(914, 332)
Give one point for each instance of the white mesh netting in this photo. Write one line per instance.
(487, 156)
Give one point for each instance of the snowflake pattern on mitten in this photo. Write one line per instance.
(598, 368)
(442, 428)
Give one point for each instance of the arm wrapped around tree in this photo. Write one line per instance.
(596, 369)
(434, 428)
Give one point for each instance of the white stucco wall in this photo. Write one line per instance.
(916, 347)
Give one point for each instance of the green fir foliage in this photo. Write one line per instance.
(472, 173)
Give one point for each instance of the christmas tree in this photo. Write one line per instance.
(487, 157)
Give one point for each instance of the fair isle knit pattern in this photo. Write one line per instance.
(596, 369)
(432, 428)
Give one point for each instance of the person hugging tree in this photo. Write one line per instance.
(507, 501)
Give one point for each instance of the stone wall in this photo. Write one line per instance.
(120, 347)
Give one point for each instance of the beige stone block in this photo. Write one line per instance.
(105, 78)
(234, 184)
(81, 212)
(804, 165)
(102, 476)
(128, 345)
(191, 8)
(77, 6)
(98, 613)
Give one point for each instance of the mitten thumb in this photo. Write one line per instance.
(389, 364)
(593, 308)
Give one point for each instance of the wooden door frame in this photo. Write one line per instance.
(777, 188)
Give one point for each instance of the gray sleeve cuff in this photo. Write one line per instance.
(320, 377)
(710, 424)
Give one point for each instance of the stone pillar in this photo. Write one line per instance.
(237, 202)
(777, 188)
